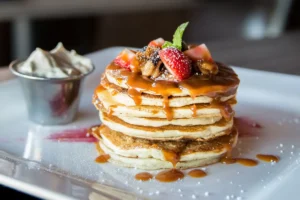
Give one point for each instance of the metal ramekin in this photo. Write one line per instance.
(50, 101)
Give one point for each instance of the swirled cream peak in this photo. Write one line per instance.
(58, 63)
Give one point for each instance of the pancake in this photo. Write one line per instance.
(146, 154)
(120, 95)
(224, 83)
(154, 164)
(169, 132)
(155, 116)
(104, 99)
(157, 122)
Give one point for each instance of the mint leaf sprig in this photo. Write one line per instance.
(177, 37)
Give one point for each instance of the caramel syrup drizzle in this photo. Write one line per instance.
(135, 96)
(166, 108)
(143, 176)
(169, 175)
(163, 176)
(102, 158)
(114, 92)
(247, 162)
(223, 84)
(267, 157)
(99, 149)
(197, 173)
(171, 157)
(227, 159)
(98, 104)
(173, 174)
(194, 110)
(110, 111)
(226, 110)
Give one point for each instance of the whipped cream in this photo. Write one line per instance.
(58, 63)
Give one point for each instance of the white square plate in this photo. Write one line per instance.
(66, 170)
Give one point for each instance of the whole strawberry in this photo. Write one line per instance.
(176, 62)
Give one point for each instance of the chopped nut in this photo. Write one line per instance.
(155, 58)
(149, 61)
(207, 67)
(148, 53)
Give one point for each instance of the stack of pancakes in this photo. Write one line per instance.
(152, 124)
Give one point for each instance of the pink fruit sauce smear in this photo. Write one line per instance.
(247, 127)
(73, 135)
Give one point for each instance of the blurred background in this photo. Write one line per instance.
(90, 25)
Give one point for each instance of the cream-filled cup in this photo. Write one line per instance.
(52, 82)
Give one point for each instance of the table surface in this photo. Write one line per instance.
(280, 54)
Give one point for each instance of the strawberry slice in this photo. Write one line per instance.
(157, 43)
(198, 53)
(176, 62)
(126, 59)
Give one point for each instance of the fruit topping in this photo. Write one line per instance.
(176, 63)
(207, 67)
(171, 61)
(157, 43)
(148, 68)
(157, 71)
(198, 53)
(203, 60)
(127, 59)
(150, 61)
(177, 37)
(148, 53)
